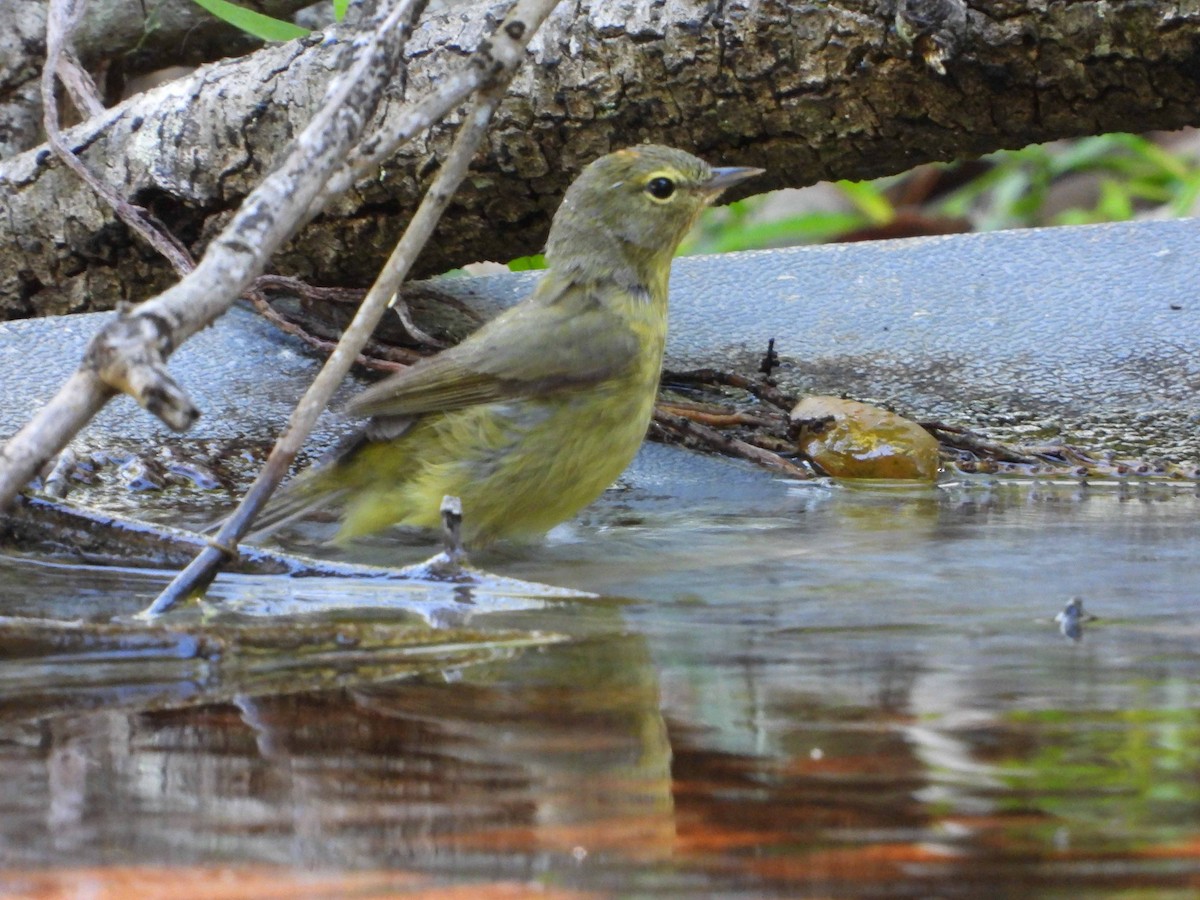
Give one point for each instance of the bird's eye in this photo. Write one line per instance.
(660, 188)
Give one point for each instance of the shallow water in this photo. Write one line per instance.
(785, 690)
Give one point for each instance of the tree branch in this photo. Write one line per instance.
(63, 18)
(809, 91)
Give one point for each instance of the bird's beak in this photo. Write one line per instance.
(728, 177)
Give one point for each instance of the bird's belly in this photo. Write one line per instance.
(561, 457)
(519, 467)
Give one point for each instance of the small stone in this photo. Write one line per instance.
(848, 439)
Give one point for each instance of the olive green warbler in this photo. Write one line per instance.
(531, 417)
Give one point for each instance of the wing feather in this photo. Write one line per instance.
(562, 338)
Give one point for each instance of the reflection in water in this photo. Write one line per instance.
(836, 692)
(1070, 620)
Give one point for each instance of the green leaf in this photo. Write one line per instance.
(251, 22)
(527, 263)
(1115, 204)
(1074, 217)
(1185, 198)
(1009, 195)
(869, 200)
(1085, 154)
(1166, 164)
(339, 9)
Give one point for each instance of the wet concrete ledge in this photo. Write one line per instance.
(1090, 329)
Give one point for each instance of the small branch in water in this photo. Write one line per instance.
(378, 355)
(972, 453)
(288, 284)
(701, 437)
(760, 388)
(952, 437)
(716, 418)
(90, 537)
(381, 359)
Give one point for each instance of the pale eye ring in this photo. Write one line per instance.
(660, 188)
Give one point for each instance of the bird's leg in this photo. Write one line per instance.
(452, 516)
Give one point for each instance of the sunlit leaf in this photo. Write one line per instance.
(527, 263)
(1165, 162)
(1185, 200)
(1115, 204)
(1074, 217)
(870, 200)
(808, 228)
(812, 228)
(251, 22)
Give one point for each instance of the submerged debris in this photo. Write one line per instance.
(73, 534)
(751, 422)
(972, 454)
(1070, 620)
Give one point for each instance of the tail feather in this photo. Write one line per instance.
(309, 489)
(315, 487)
(295, 498)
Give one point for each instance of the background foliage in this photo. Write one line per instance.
(1107, 178)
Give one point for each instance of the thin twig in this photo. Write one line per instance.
(79, 84)
(289, 285)
(529, 14)
(760, 388)
(61, 21)
(381, 358)
(694, 433)
(201, 571)
(716, 418)
(381, 355)
(416, 332)
(970, 442)
(506, 53)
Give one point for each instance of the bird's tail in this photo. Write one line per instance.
(296, 497)
(311, 488)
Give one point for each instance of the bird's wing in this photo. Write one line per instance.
(562, 338)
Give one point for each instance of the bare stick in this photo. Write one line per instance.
(376, 357)
(63, 17)
(505, 53)
(79, 84)
(200, 573)
(715, 418)
(705, 436)
(759, 387)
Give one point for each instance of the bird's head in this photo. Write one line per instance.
(631, 208)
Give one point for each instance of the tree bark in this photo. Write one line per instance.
(120, 41)
(809, 91)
